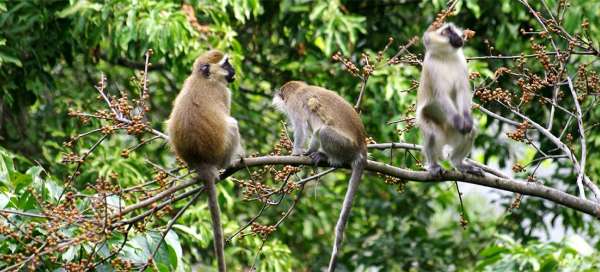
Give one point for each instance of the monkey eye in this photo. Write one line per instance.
(205, 69)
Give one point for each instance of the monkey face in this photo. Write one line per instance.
(451, 33)
(447, 38)
(214, 64)
(230, 76)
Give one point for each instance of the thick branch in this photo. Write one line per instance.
(526, 188)
(410, 146)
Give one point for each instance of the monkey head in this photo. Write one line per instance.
(445, 39)
(288, 89)
(214, 65)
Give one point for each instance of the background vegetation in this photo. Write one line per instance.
(58, 183)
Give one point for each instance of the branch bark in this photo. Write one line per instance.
(526, 188)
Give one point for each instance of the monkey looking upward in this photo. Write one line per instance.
(203, 133)
(444, 100)
(338, 136)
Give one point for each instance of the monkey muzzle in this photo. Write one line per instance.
(455, 40)
(230, 77)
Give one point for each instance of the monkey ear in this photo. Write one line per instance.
(205, 69)
(426, 39)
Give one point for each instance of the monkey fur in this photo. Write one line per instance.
(203, 133)
(444, 100)
(338, 136)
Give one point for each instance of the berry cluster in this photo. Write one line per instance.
(285, 172)
(520, 133)
(517, 167)
(284, 144)
(261, 230)
(347, 63)
(498, 94)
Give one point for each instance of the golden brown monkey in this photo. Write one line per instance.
(203, 133)
(338, 136)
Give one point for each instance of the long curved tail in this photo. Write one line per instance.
(357, 170)
(209, 174)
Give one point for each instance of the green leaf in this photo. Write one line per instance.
(3, 200)
(7, 168)
(70, 254)
(317, 11)
(79, 6)
(4, 57)
(493, 250)
(191, 231)
(172, 240)
(474, 7)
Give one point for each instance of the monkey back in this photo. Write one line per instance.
(198, 123)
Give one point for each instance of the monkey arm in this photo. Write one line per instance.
(300, 131)
(465, 96)
(434, 113)
(441, 110)
(438, 106)
(236, 142)
(314, 142)
(464, 101)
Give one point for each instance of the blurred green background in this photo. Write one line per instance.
(52, 54)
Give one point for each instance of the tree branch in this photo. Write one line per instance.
(526, 188)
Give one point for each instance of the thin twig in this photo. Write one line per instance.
(501, 57)
(463, 221)
(28, 214)
(170, 226)
(582, 138)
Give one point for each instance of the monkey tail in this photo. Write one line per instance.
(208, 174)
(358, 167)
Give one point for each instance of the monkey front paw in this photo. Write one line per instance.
(457, 123)
(436, 170)
(467, 122)
(463, 125)
(318, 157)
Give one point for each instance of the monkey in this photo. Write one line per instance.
(202, 132)
(444, 100)
(337, 136)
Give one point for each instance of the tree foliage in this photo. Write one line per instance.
(68, 167)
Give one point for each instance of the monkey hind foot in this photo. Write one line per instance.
(318, 157)
(436, 170)
(469, 169)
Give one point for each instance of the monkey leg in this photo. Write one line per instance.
(235, 149)
(313, 149)
(460, 150)
(209, 174)
(338, 147)
(340, 226)
(433, 153)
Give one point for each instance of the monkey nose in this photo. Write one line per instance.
(230, 78)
